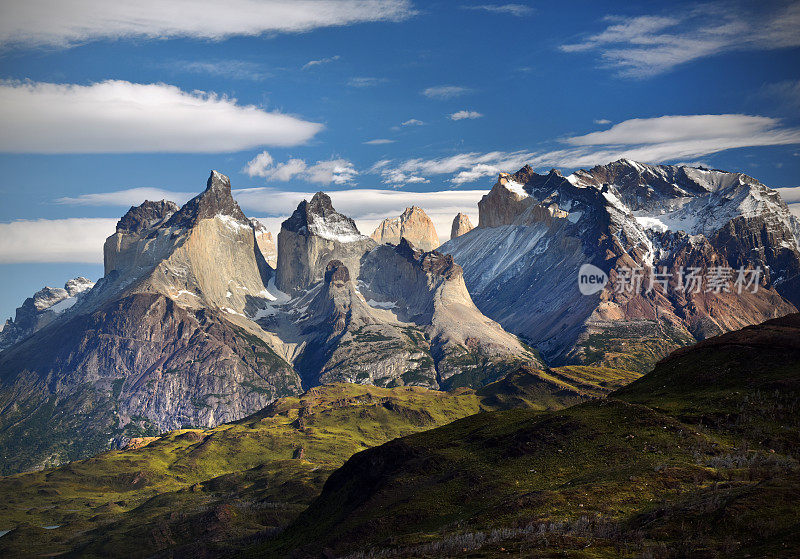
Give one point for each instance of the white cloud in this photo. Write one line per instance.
(333, 171)
(686, 128)
(461, 115)
(445, 91)
(518, 10)
(412, 122)
(602, 121)
(644, 46)
(321, 61)
(59, 23)
(126, 198)
(650, 140)
(121, 117)
(378, 142)
(365, 82)
(55, 240)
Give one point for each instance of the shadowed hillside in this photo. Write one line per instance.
(698, 458)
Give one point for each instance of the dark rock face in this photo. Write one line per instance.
(148, 364)
(163, 340)
(435, 263)
(641, 185)
(337, 273)
(215, 200)
(751, 242)
(320, 208)
(146, 216)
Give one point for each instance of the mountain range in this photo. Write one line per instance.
(202, 319)
(697, 458)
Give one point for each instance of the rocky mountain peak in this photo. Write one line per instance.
(413, 224)
(218, 181)
(336, 273)
(321, 204)
(314, 235)
(461, 225)
(78, 285)
(506, 200)
(148, 215)
(319, 217)
(215, 200)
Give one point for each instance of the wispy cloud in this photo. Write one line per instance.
(644, 46)
(379, 142)
(785, 94)
(518, 10)
(332, 171)
(320, 62)
(651, 140)
(462, 115)
(121, 117)
(412, 122)
(445, 91)
(231, 69)
(602, 121)
(365, 81)
(58, 23)
(126, 198)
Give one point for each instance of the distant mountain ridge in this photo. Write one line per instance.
(191, 327)
(535, 232)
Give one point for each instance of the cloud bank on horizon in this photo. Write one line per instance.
(81, 239)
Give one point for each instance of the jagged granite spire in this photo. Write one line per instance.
(318, 217)
(413, 224)
(314, 235)
(216, 199)
(461, 225)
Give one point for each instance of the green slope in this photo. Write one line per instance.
(242, 480)
(698, 458)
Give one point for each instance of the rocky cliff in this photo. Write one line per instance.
(461, 225)
(413, 225)
(314, 235)
(506, 200)
(265, 243)
(165, 339)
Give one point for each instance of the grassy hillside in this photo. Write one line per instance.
(216, 488)
(698, 458)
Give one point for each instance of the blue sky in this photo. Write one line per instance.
(104, 105)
